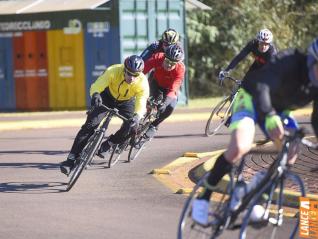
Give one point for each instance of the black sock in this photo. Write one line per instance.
(221, 167)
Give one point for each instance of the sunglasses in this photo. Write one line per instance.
(170, 63)
(264, 43)
(132, 74)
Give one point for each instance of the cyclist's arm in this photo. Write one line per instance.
(101, 83)
(149, 51)
(177, 82)
(314, 117)
(243, 53)
(142, 94)
(153, 62)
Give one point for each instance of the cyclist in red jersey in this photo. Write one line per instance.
(168, 74)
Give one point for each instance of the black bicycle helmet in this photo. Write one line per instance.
(313, 49)
(134, 64)
(170, 36)
(174, 53)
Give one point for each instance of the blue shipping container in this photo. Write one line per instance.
(98, 52)
(7, 88)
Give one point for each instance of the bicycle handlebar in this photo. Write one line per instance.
(113, 111)
(238, 82)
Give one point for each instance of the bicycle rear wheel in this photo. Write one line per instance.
(136, 148)
(139, 141)
(218, 117)
(188, 229)
(86, 156)
(116, 152)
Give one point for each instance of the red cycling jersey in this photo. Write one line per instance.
(170, 80)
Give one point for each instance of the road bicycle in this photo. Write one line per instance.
(92, 146)
(140, 139)
(137, 139)
(221, 113)
(268, 192)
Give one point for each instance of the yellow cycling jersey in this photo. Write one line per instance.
(113, 78)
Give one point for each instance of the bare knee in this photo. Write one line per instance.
(236, 152)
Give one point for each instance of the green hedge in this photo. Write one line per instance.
(216, 36)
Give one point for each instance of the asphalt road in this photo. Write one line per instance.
(122, 202)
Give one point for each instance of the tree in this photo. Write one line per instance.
(216, 36)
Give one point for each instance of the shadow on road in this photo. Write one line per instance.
(32, 187)
(43, 166)
(179, 136)
(44, 152)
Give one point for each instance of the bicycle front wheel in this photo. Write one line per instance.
(117, 150)
(189, 229)
(136, 147)
(218, 117)
(269, 217)
(86, 156)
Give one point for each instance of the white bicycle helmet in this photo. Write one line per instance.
(265, 35)
(170, 36)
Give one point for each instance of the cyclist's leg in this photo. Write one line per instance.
(168, 111)
(87, 129)
(240, 143)
(92, 122)
(126, 109)
(164, 115)
(243, 129)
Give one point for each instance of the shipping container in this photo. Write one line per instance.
(66, 69)
(78, 45)
(30, 71)
(98, 52)
(142, 22)
(7, 88)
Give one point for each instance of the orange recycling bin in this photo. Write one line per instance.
(30, 71)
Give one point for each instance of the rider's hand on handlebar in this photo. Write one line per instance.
(96, 100)
(162, 107)
(274, 127)
(222, 75)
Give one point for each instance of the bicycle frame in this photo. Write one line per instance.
(93, 144)
(140, 138)
(211, 127)
(275, 176)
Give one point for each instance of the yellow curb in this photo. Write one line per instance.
(184, 190)
(160, 171)
(167, 182)
(190, 154)
(44, 124)
(59, 123)
(175, 164)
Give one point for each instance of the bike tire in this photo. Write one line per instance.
(86, 156)
(138, 143)
(216, 121)
(275, 225)
(136, 148)
(188, 229)
(116, 153)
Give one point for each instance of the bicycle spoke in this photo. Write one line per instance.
(218, 117)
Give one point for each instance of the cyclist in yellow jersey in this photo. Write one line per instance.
(121, 86)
